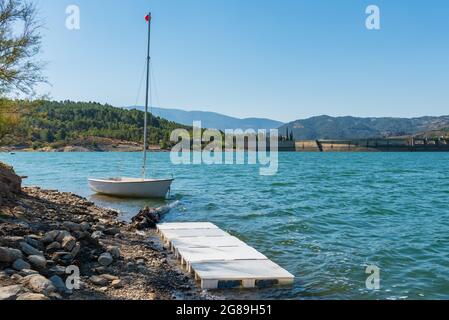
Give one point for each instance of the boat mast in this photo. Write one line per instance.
(145, 127)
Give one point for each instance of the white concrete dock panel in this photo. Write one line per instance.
(215, 257)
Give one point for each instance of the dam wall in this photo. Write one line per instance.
(374, 145)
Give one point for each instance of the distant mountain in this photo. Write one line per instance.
(326, 127)
(212, 119)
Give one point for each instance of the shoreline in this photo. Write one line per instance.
(42, 232)
(90, 144)
(72, 149)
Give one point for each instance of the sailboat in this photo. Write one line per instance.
(136, 187)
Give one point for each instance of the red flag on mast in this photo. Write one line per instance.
(147, 17)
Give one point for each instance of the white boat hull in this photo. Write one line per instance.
(131, 187)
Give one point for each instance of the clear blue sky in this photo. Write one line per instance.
(282, 59)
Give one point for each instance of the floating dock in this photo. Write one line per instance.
(219, 260)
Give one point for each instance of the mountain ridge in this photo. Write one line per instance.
(212, 119)
(349, 127)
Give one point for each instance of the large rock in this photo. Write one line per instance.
(76, 249)
(53, 246)
(115, 252)
(58, 270)
(9, 272)
(9, 255)
(112, 231)
(20, 265)
(81, 235)
(30, 250)
(61, 235)
(10, 292)
(10, 183)
(27, 272)
(17, 278)
(109, 277)
(38, 261)
(98, 281)
(117, 284)
(85, 226)
(12, 239)
(34, 241)
(72, 226)
(39, 284)
(68, 242)
(96, 235)
(32, 297)
(147, 218)
(50, 236)
(63, 257)
(59, 284)
(105, 259)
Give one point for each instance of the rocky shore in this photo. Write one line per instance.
(89, 144)
(46, 237)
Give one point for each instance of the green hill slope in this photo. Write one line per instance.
(53, 123)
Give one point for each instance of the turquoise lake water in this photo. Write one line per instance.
(324, 217)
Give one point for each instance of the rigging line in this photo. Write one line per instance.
(152, 168)
(151, 94)
(136, 104)
(156, 91)
(140, 85)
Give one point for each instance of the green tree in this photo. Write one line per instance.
(9, 117)
(20, 71)
(47, 136)
(20, 42)
(11, 114)
(61, 135)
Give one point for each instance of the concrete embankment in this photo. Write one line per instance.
(373, 145)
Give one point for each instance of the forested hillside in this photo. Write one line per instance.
(51, 122)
